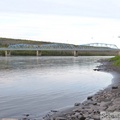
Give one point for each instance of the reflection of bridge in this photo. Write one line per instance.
(60, 47)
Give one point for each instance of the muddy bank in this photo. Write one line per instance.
(105, 100)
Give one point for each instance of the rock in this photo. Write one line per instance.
(87, 119)
(60, 118)
(102, 108)
(79, 116)
(26, 115)
(115, 87)
(77, 104)
(96, 69)
(82, 118)
(105, 104)
(89, 97)
(87, 102)
(76, 115)
(54, 111)
(95, 103)
(96, 117)
(111, 108)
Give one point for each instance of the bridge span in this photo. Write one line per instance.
(100, 47)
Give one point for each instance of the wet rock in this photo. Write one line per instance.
(27, 115)
(95, 103)
(89, 97)
(82, 118)
(114, 87)
(54, 111)
(77, 104)
(97, 69)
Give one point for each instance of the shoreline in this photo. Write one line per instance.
(107, 100)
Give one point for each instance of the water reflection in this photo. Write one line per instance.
(38, 84)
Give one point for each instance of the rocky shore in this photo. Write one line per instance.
(107, 100)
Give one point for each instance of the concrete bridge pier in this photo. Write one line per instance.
(7, 53)
(38, 53)
(75, 53)
(118, 53)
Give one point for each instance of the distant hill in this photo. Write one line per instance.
(5, 42)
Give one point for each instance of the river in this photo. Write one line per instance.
(36, 85)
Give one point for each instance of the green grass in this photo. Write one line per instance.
(116, 60)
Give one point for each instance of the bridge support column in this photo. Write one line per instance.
(7, 53)
(38, 53)
(118, 53)
(75, 53)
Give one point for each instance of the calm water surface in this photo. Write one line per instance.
(37, 85)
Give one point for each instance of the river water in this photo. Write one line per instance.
(37, 85)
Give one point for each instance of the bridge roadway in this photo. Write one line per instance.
(59, 47)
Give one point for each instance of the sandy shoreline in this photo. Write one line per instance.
(107, 100)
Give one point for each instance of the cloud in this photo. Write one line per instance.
(86, 8)
(56, 28)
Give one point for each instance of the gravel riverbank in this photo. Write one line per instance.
(107, 100)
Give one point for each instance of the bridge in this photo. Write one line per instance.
(101, 47)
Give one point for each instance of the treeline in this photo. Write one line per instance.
(33, 53)
(57, 53)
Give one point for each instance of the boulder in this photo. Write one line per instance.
(89, 97)
(114, 87)
(77, 104)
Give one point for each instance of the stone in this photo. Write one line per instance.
(105, 104)
(54, 111)
(95, 103)
(82, 118)
(115, 87)
(96, 69)
(96, 117)
(111, 108)
(76, 115)
(60, 118)
(77, 104)
(89, 97)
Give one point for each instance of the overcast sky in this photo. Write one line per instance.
(67, 21)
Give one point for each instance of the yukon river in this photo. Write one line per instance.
(36, 85)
